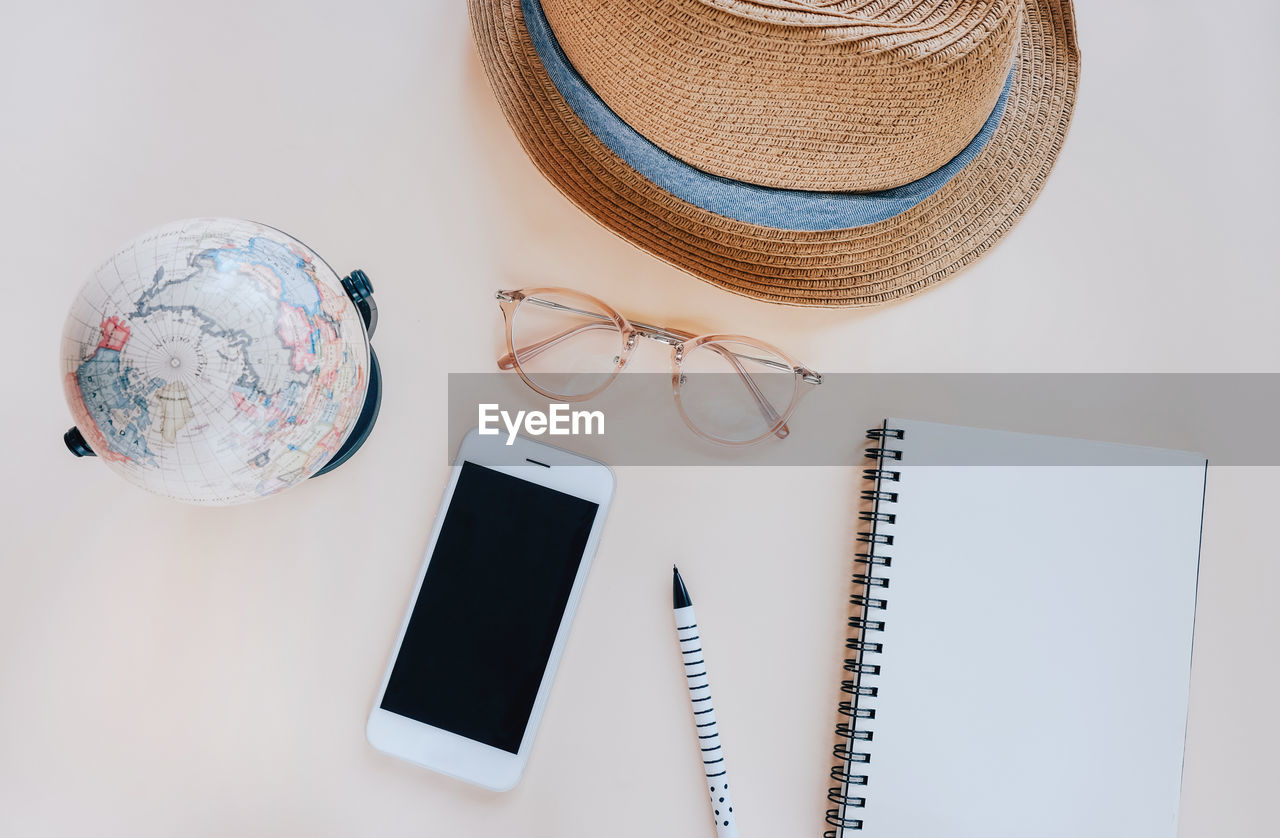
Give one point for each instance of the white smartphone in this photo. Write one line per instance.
(486, 627)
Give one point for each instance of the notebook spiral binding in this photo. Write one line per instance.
(850, 773)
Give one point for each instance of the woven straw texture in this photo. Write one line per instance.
(861, 266)
(849, 97)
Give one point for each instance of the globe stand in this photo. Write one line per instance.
(360, 290)
(76, 443)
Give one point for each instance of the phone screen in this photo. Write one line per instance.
(481, 632)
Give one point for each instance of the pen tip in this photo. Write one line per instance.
(679, 593)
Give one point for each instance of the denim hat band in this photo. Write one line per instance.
(801, 246)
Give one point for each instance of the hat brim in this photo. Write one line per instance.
(857, 266)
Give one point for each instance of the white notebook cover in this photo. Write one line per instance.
(1037, 642)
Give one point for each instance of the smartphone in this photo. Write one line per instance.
(478, 649)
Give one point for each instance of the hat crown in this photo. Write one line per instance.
(905, 17)
(797, 94)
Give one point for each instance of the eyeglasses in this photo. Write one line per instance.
(730, 389)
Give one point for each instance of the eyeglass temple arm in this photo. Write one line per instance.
(507, 360)
(766, 409)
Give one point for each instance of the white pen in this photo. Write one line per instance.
(704, 715)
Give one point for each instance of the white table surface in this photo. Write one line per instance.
(176, 670)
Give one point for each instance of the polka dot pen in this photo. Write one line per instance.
(704, 715)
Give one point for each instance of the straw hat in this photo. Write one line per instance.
(810, 152)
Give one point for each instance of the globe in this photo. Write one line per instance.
(216, 361)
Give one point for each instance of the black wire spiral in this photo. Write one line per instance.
(849, 771)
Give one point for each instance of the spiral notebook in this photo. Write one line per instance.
(1020, 653)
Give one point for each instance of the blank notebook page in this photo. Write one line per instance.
(1037, 641)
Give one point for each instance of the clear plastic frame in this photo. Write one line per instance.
(730, 389)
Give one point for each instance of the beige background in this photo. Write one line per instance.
(170, 670)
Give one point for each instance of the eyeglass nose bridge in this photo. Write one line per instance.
(674, 338)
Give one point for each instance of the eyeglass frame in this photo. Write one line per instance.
(680, 342)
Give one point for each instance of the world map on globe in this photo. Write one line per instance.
(215, 361)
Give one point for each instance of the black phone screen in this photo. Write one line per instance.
(486, 618)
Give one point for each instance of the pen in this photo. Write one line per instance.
(704, 715)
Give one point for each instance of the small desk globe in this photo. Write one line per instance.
(217, 361)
